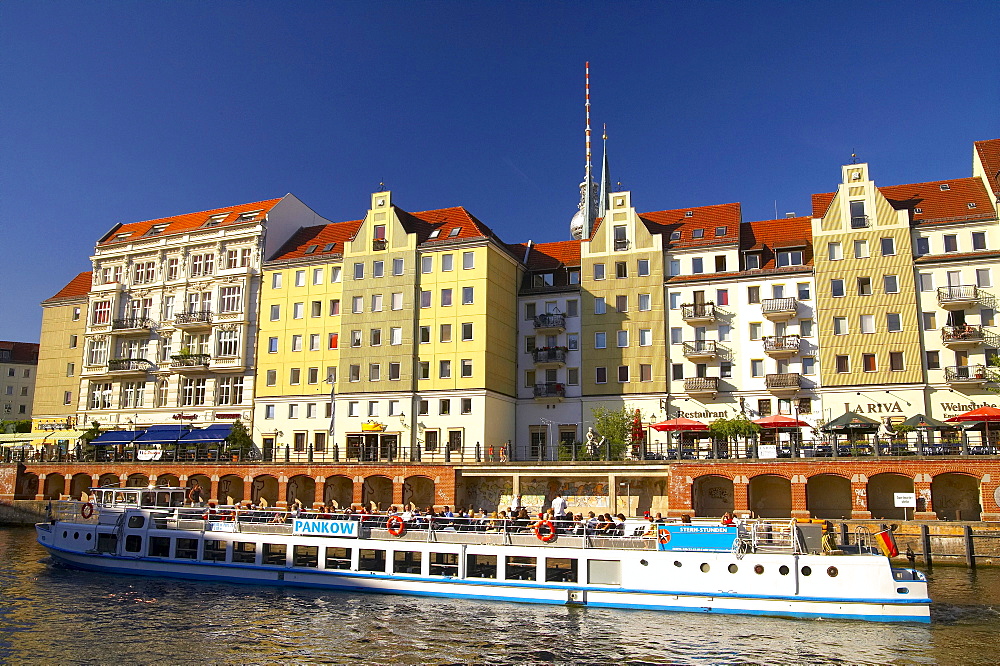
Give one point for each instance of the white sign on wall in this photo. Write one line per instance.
(905, 500)
(767, 451)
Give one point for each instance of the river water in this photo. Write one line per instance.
(52, 615)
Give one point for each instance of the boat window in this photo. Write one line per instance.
(187, 549)
(370, 559)
(133, 543)
(406, 561)
(159, 546)
(215, 551)
(148, 499)
(806, 571)
(705, 568)
(338, 558)
(305, 556)
(444, 564)
(520, 567)
(244, 551)
(783, 570)
(480, 566)
(733, 568)
(135, 522)
(274, 554)
(107, 542)
(604, 572)
(832, 572)
(560, 570)
(758, 569)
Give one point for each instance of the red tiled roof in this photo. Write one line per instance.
(546, 256)
(687, 220)
(821, 203)
(21, 352)
(769, 235)
(941, 205)
(989, 155)
(77, 287)
(181, 223)
(319, 238)
(444, 221)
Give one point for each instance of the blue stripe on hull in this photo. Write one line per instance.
(336, 583)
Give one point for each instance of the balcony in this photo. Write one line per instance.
(701, 386)
(965, 375)
(379, 244)
(701, 349)
(783, 383)
(698, 313)
(778, 309)
(190, 362)
(550, 323)
(959, 297)
(550, 392)
(860, 222)
(549, 358)
(965, 336)
(190, 321)
(781, 346)
(132, 325)
(129, 367)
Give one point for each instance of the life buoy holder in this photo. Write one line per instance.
(549, 535)
(87, 510)
(396, 526)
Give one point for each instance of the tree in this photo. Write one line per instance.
(239, 439)
(15, 426)
(726, 430)
(616, 426)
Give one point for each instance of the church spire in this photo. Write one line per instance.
(605, 192)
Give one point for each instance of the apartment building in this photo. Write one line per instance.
(172, 315)
(18, 365)
(399, 346)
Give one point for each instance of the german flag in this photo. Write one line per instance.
(886, 543)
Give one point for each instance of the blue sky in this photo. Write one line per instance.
(124, 111)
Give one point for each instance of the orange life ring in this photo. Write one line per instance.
(87, 510)
(551, 531)
(396, 526)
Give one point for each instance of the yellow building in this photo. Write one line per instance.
(411, 316)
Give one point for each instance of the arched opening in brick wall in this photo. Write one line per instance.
(338, 491)
(829, 496)
(167, 480)
(137, 481)
(301, 488)
(418, 491)
(79, 485)
(231, 489)
(54, 484)
(205, 483)
(376, 492)
(882, 489)
(109, 480)
(27, 486)
(770, 496)
(264, 487)
(712, 495)
(956, 496)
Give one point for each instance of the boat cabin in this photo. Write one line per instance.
(137, 497)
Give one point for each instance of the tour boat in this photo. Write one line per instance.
(758, 567)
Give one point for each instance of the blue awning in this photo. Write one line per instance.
(162, 434)
(213, 433)
(115, 437)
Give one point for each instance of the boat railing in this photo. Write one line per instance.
(772, 536)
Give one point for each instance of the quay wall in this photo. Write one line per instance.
(22, 512)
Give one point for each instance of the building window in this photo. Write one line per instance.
(888, 247)
(932, 360)
(425, 299)
(861, 249)
(923, 246)
(834, 251)
(840, 326)
(465, 367)
(444, 369)
(864, 286)
(843, 363)
(600, 340)
(272, 377)
(424, 370)
(642, 267)
(697, 265)
(645, 337)
(394, 371)
(378, 269)
(978, 240)
(868, 362)
(752, 261)
(950, 243)
(757, 368)
(333, 341)
(623, 374)
(677, 371)
(926, 281)
(468, 260)
(893, 324)
(896, 363)
(466, 331)
(808, 365)
(867, 323)
(790, 258)
(375, 337)
(295, 376)
(600, 375)
(621, 302)
(335, 274)
(755, 328)
(983, 278)
(674, 267)
(600, 307)
(354, 373)
(374, 372)
(268, 411)
(753, 295)
(598, 271)
(623, 338)
(929, 320)
(359, 271)
(837, 288)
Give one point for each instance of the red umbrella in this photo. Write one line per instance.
(679, 425)
(988, 414)
(780, 421)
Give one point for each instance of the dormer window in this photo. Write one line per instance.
(434, 234)
(311, 249)
(328, 247)
(721, 231)
(689, 213)
(789, 258)
(752, 261)
(945, 187)
(698, 233)
(454, 232)
(246, 217)
(215, 220)
(918, 211)
(972, 205)
(121, 237)
(675, 235)
(542, 280)
(156, 230)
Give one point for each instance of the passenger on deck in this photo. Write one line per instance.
(685, 518)
(727, 519)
